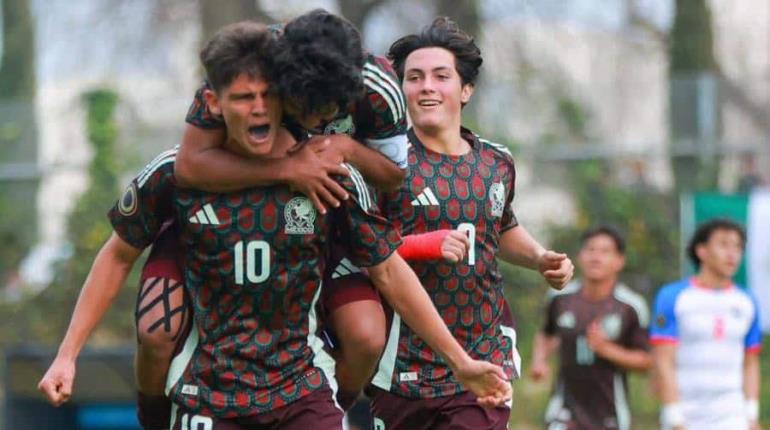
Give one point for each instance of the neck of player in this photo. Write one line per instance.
(709, 278)
(444, 140)
(598, 289)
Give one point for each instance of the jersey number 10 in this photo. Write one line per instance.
(251, 260)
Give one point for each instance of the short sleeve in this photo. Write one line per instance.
(636, 333)
(147, 203)
(753, 340)
(370, 238)
(664, 327)
(549, 327)
(199, 113)
(509, 220)
(380, 116)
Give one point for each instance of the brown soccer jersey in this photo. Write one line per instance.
(590, 392)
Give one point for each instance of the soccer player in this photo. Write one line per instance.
(599, 327)
(334, 89)
(254, 261)
(459, 181)
(706, 338)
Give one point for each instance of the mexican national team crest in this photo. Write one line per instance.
(611, 325)
(497, 198)
(341, 126)
(300, 216)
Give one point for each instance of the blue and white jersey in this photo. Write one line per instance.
(713, 329)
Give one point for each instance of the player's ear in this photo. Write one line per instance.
(212, 100)
(466, 93)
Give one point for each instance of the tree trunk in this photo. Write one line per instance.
(217, 13)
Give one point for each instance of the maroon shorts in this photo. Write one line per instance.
(165, 260)
(344, 282)
(459, 412)
(314, 411)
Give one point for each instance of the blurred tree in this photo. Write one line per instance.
(464, 12)
(18, 136)
(44, 317)
(691, 47)
(215, 14)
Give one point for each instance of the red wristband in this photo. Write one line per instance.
(423, 247)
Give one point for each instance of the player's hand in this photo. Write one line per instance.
(311, 174)
(595, 337)
(56, 384)
(753, 425)
(556, 268)
(487, 381)
(455, 246)
(539, 371)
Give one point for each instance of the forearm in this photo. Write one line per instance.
(626, 358)
(751, 375)
(378, 170)
(404, 292)
(665, 375)
(103, 283)
(543, 347)
(518, 247)
(201, 163)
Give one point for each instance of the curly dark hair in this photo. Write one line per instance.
(442, 33)
(605, 230)
(703, 234)
(319, 62)
(242, 47)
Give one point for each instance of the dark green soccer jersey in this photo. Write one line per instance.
(473, 193)
(253, 267)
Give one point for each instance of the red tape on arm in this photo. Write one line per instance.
(423, 247)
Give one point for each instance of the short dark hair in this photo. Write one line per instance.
(703, 234)
(320, 61)
(442, 33)
(605, 230)
(243, 47)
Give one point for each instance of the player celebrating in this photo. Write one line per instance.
(254, 265)
(599, 327)
(706, 338)
(331, 87)
(455, 181)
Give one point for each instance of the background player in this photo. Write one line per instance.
(599, 327)
(455, 181)
(227, 343)
(706, 338)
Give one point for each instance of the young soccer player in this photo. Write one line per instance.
(459, 181)
(706, 337)
(254, 262)
(599, 327)
(331, 88)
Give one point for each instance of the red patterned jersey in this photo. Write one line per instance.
(377, 119)
(253, 267)
(472, 193)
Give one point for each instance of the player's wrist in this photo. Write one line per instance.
(751, 408)
(671, 416)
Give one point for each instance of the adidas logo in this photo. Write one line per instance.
(345, 268)
(425, 198)
(205, 215)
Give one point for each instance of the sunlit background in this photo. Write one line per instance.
(648, 114)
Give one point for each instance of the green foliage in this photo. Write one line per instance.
(44, 318)
(691, 47)
(17, 65)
